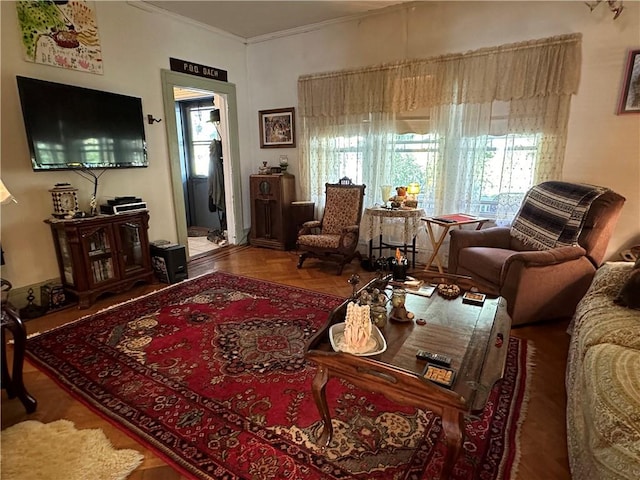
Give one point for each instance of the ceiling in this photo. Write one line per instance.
(249, 19)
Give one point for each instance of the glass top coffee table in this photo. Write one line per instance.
(475, 337)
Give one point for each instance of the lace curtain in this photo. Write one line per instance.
(522, 88)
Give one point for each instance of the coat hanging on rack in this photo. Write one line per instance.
(216, 177)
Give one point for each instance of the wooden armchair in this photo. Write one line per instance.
(335, 237)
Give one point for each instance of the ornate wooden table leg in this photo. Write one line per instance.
(15, 385)
(453, 426)
(320, 397)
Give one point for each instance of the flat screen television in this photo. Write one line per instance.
(71, 127)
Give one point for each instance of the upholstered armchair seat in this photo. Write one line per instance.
(320, 241)
(335, 237)
(538, 284)
(490, 265)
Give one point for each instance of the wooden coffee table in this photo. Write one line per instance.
(475, 337)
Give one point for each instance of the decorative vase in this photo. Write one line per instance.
(385, 190)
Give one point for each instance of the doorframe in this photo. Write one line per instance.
(235, 222)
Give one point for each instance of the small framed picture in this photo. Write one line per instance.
(630, 96)
(473, 298)
(277, 128)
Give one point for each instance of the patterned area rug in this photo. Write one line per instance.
(211, 374)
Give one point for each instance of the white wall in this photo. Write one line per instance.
(603, 148)
(136, 45)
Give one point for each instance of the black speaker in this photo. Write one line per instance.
(169, 262)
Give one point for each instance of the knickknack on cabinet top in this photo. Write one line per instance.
(105, 253)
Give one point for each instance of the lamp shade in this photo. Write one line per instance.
(5, 195)
(413, 188)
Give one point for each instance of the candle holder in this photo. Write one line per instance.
(399, 269)
(284, 163)
(379, 315)
(399, 312)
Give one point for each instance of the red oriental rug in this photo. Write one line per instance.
(210, 373)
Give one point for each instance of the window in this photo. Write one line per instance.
(511, 157)
(501, 159)
(199, 133)
(351, 156)
(415, 159)
(477, 127)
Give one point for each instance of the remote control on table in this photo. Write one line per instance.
(435, 358)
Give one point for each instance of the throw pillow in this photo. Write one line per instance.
(629, 295)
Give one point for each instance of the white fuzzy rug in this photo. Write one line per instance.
(33, 450)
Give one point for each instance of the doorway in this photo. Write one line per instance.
(200, 144)
(191, 131)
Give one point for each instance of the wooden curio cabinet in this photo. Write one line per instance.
(106, 253)
(271, 197)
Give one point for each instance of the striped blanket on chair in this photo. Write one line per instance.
(552, 214)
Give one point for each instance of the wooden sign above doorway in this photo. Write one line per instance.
(197, 69)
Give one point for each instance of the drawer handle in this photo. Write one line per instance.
(499, 340)
(384, 376)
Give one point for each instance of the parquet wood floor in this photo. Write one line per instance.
(543, 438)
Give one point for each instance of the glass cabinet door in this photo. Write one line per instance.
(65, 256)
(131, 249)
(98, 244)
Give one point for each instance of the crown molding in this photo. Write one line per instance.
(144, 6)
(326, 23)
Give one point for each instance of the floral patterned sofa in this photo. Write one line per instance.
(603, 382)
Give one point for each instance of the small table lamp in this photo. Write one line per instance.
(5, 195)
(413, 189)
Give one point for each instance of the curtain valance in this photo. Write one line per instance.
(518, 71)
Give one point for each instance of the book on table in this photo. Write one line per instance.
(410, 283)
(455, 218)
(424, 290)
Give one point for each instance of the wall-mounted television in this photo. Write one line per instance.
(70, 127)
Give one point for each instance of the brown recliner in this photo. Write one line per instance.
(537, 284)
(335, 237)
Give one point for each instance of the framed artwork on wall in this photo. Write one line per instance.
(630, 95)
(277, 128)
(61, 34)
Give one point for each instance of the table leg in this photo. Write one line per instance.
(480, 224)
(436, 244)
(453, 426)
(413, 253)
(5, 379)
(15, 386)
(319, 395)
